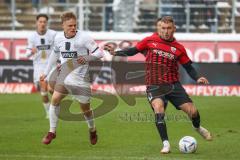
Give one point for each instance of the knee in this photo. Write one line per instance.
(50, 90)
(193, 112)
(158, 107)
(45, 99)
(86, 109)
(55, 100)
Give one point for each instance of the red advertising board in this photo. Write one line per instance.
(5, 49)
(198, 51)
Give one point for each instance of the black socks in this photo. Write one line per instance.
(161, 125)
(196, 120)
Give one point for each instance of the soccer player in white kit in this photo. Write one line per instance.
(39, 48)
(75, 49)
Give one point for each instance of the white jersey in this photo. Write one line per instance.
(74, 76)
(43, 44)
(68, 50)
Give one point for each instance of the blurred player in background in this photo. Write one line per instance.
(39, 48)
(74, 48)
(163, 53)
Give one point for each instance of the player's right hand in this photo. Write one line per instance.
(109, 48)
(81, 60)
(43, 77)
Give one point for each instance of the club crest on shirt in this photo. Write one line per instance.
(173, 49)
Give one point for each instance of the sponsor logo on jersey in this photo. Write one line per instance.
(154, 44)
(164, 54)
(69, 54)
(43, 47)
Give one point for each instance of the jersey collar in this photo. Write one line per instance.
(41, 34)
(69, 37)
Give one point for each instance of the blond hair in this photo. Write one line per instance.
(67, 16)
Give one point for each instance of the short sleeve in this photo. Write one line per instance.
(183, 58)
(142, 45)
(30, 42)
(90, 44)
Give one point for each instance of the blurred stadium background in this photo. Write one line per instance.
(198, 16)
(210, 31)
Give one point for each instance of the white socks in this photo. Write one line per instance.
(90, 121)
(53, 117)
(46, 107)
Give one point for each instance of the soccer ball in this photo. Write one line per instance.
(188, 144)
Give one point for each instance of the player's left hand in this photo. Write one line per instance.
(34, 50)
(202, 80)
(81, 60)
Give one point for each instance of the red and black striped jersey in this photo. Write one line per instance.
(162, 58)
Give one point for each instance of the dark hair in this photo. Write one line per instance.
(42, 15)
(165, 19)
(67, 15)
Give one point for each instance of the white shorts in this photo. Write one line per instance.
(53, 74)
(38, 70)
(78, 87)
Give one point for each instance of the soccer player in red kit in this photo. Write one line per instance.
(163, 53)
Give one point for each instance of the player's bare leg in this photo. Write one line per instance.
(44, 95)
(54, 111)
(158, 106)
(193, 114)
(51, 89)
(52, 82)
(89, 117)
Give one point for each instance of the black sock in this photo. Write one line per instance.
(161, 126)
(196, 120)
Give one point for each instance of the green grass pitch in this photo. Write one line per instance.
(126, 133)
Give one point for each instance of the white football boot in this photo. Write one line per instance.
(166, 147)
(204, 133)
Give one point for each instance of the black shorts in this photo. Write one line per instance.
(175, 93)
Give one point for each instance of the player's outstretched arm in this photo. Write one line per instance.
(52, 61)
(96, 55)
(193, 73)
(125, 52)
